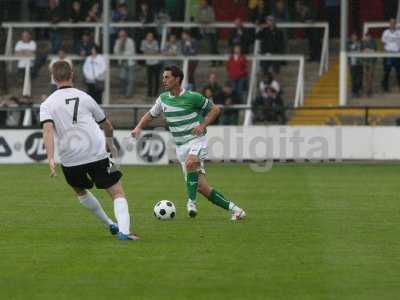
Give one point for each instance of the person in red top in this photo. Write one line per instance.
(237, 70)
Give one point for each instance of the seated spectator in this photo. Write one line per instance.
(94, 14)
(205, 15)
(149, 46)
(237, 71)
(84, 47)
(172, 48)
(227, 98)
(356, 68)
(118, 15)
(269, 81)
(208, 93)
(272, 42)
(213, 84)
(369, 45)
(94, 70)
(125, 46)
(10, 118)
(241, 36)
(259, 13)
(25, 47)
(391, 43)
(269, 107)
(190, 48)
(62, 56)
(55, 15)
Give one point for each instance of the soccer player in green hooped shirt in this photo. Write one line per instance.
(184, 112)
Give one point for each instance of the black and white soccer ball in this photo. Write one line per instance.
(164, 210)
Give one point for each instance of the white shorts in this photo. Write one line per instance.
(198, 147)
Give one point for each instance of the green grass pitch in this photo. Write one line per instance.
(314, 231)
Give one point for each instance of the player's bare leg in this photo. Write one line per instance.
(121, 212)
(88, 200)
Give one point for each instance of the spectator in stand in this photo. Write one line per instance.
(356, 68)
(40, 12)
(10, 118)
(25, 47)
(369, 45)
(272, 42)
(175, 9)
(236, 68)
(259, 13)
(77, 16)
(94, 13)
(269, 107)
(241, 36)
(268, 81)
(227, 98)
(208, 93)
(125, 46)
(94, 70)
(3, 73)
(145, 16)
(149, 46)
(281, 14)
(62, 56)
(190, 47)
(54, 16)
(172, 48)
(391, 43)
(84, 47)
(213, 84)
(305, 13)
(205, 15)
(118, 15)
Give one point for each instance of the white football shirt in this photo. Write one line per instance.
(75, 116)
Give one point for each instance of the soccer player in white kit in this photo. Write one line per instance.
(74, 118)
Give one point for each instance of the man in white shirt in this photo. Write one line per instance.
(73, 117)
(391, 43)
(25, 47)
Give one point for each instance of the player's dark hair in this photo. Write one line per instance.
(175, 71)
(62, 71)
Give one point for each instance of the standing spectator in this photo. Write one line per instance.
(304, 13)
(149, 46)
(227, 98)
(62, 56)
(208, 93)
(237, 71)
(281, 14)
(3, 73)
(10, 118)
(172, 48)
(332, 8)
(356, 67)
(272, 42)
(213, 84)
(241, 36)
(125, 46)
(25, 47)
(368, 45)
(391, 43)
(76, 16)
(144, 16)
(94, 69)
(190, 47)
(205, 15)
(54, 16)
(259, 13)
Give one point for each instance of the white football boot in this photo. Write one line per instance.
(237, 213)
(191, 208)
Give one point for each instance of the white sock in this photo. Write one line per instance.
(122, 214)
(233, 206)
(90, 202)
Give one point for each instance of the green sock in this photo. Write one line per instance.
(192, 181)
(219, 199)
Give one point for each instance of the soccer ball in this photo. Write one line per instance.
(164, 210)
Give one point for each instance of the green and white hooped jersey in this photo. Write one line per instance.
(183, 113)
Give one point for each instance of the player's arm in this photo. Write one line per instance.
(109, 134)
(144, 121)
(212, 113)
(48, 138)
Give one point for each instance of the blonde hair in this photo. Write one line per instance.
(62, 71)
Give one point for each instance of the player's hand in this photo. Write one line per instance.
(53, 165)
(135, 133)
(198, 130)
